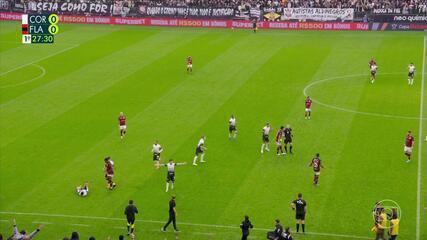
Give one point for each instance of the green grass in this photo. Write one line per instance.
(56, 130)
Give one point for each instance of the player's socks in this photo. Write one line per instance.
(128, 227)
(286, 149)
(303, 227)
(290, 149)
(194, 161)
(171, 185)
(201, 157)
(133, 227)
(262, 148)
(297, 227)
(167, 187)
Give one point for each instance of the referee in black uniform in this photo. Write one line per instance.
(300, 207)
(245, 226)
(130, 212)
(172, 215)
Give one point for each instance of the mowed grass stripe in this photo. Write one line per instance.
(146, 90)
(64, 63)
(282, 93)
(328, 134)
(361, 148)
(27, 53)
(76, 87)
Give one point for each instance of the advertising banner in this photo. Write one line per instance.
(399, 18)
(212, 23)
(185, 12)
(65, 7)
(318, 14)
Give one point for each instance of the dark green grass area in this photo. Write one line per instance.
(59, 106)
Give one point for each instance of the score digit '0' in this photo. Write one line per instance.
(53, 20)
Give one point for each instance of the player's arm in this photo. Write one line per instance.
(15, 228)
(293, 206)
(311, 164)
(160, 150)
(35, 231)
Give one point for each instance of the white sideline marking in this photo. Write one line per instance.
(350, 110)
(181, 223)
(30, 80)
(38, 60)
(3, 220)
(45, 223)
(79, 225)
(420, 143)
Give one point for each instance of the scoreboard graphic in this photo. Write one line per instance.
(39, 28)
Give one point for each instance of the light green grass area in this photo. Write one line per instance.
(59, 106)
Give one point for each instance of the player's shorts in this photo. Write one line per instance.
(265, 138)
(109, 176)
(373, 73)
(122, 127)
(82, 192)
(232, 128)
(156, 157)
(279, 143)
(199, 150)
(308, 109)
(189, 65)
(407, 149)
(288, 140)
(317, 173)
(300, 216)
(411, 74)
(170, 177)
(131, 220)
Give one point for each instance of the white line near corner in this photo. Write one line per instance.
(420, 143)
(38, 60)
(334, 235)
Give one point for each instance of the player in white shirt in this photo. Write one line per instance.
(83, 190)
(373, 69)
(411, 73)
(170, 177)
(232, 130)
(200, 150)
(157, 149)
(265, 138)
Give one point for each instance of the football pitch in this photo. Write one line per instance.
(59, 105)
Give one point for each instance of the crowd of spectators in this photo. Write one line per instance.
(406, 6)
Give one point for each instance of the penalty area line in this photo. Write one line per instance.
(335, 235)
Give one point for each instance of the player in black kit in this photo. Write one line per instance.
(130, 212)
(288, 138)
(300, 207)
(172, 215)
(245, 226)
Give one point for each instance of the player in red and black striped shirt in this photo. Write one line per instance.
(122, 125)
(316, 163)
(109, 172)
(279, 137)
(189, 64)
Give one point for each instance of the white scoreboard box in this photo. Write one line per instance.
(26, 38)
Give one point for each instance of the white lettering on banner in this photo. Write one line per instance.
(318, 14)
